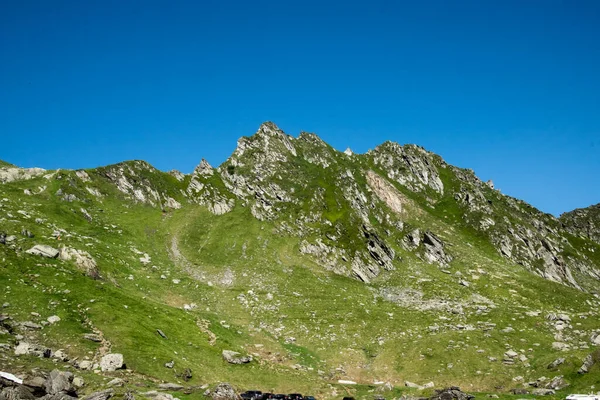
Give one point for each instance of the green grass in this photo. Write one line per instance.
(306, 324)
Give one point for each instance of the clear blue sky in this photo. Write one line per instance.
(510, 89)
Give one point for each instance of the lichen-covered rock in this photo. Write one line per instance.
(233, 357)
(43, 250)
(224, 391)
(112, 362)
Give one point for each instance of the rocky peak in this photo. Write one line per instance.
(204, 169)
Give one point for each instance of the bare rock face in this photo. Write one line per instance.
(233, 357)
(43, 250)
(12, 174)
(224, 391)
(112, 362)
(434, 249)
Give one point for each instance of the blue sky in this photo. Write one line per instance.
(510, 89)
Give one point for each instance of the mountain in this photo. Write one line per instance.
(316, 266)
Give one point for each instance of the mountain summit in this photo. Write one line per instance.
(293, 266)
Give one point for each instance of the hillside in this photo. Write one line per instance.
(380, 268)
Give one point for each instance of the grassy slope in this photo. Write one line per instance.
(339, 327)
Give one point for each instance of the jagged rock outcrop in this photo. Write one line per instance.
(583, 222)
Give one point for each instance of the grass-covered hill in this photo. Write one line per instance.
(380, 268)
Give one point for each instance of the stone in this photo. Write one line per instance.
(556, 363)
(93, 337)
(162, 334)
(588, 362)
(451, 393)
(542, 392)
(102, 395)
(78, 382)
(85, 365)
(53, 319)
(82, 259)
(112, 362)
(233, 357)
(116, 382)
(511, 354)
(224, 391)
(24, 348)
(43, 250)
(557, 383)
(59, 381)
(26, 233)
(31, 325)
(174, 387)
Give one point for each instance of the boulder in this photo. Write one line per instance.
(542, 392)
(451, 393)
(43, 250)
(16, 393)
(172, 387)
(224, 391)
(587, 364)
(556, 363)
(53, 319)
(93, 337)
(59, 381)
(24, 348)
(557, 383)
(82, 259)
(102, 395)
(233, 357)
(112, 362)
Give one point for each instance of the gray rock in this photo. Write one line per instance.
(557, 383)
(112, 362)
(451, 393)
(78, 382)
(556, 363)
(93, 337)
(58, 382)
(170, 364)
(24, 348)
(116, 382)
(102, 395)
(53, 319)
(31, 325)
(162, 334)
(588, 362)
(174, 387)
(27, 233)
(224, 391)
(233, 357)
(43, 250)
(16, 393)
(542, 392)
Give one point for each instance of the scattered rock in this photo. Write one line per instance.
(174, 387)
(102, 395)
(556, 363)
(116, 382)
(557, 383)
(451, 393)
(112, 362)
(224, 391)
(588, 362)
(43, 250)
(233, 357)
(93, 337)
(53, 319)
(59, 382)
(161, 333)
(542, 392)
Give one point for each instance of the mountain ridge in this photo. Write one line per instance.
(388, 266)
